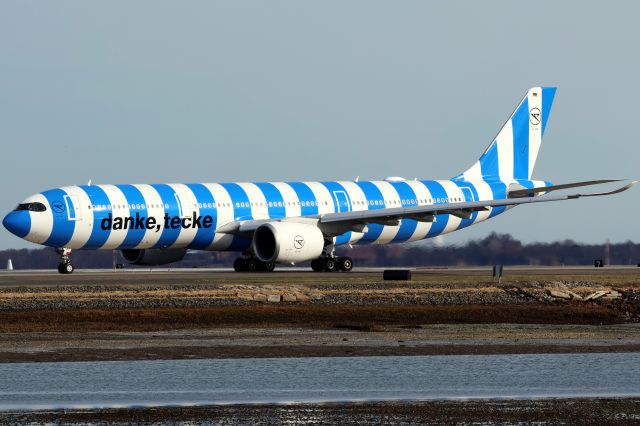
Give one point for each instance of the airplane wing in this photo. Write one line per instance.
(529, 192)
(337, 223)
(462, 210)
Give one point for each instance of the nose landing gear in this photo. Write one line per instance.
(65, 266)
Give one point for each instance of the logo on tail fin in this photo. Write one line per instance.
(534, 116)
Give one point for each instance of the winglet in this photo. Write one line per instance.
(615, 191)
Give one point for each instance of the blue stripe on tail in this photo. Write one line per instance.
(548, 93)
(520, 122)
(489, 163)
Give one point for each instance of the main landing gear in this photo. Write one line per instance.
(65, 266)
(332, 264)
(252, 264)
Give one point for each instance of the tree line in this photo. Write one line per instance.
(492, 250)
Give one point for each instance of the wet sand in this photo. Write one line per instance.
(586, 411)
(267, 342)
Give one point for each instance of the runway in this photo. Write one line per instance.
(289, 274)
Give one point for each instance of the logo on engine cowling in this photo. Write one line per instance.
(298, 242)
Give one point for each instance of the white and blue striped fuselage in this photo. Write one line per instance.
(294, 222)
(189, 216)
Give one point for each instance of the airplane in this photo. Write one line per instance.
(273, 223)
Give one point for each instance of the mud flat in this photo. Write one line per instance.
(172, 315)
(587, 411)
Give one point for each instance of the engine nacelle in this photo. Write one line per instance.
(153, 257)
(287, 242)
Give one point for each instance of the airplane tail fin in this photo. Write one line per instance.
(513, 153)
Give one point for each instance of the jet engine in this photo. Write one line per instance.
(287, 242)
(153, 257)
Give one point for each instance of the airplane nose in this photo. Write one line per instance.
(18, 223)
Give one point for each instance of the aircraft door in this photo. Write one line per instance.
(73, 207)
(186, 203)
(468, 194)
(342, 201)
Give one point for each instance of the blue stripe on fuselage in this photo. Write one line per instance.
(241, 211)
(133, 196)
(526, 183)
(462, 184)
(306, 197)
(371, 192)
(437, 193)
(98, 197)
(499, 190)
(332, 187)
(170, 204)
(275, 201)
(62, 230)
(407, 226)
(204, 236)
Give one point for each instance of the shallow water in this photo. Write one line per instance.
(284, 380)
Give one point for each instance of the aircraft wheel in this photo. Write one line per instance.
(330, 264)
(316, 265)
(252, 265)
(269, 266)
(345, 264)
(240, 264)
(65, 268)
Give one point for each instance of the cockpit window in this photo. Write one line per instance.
(32, 207)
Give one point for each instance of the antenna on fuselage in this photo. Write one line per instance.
(89, 183)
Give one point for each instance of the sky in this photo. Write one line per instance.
(156, 91)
